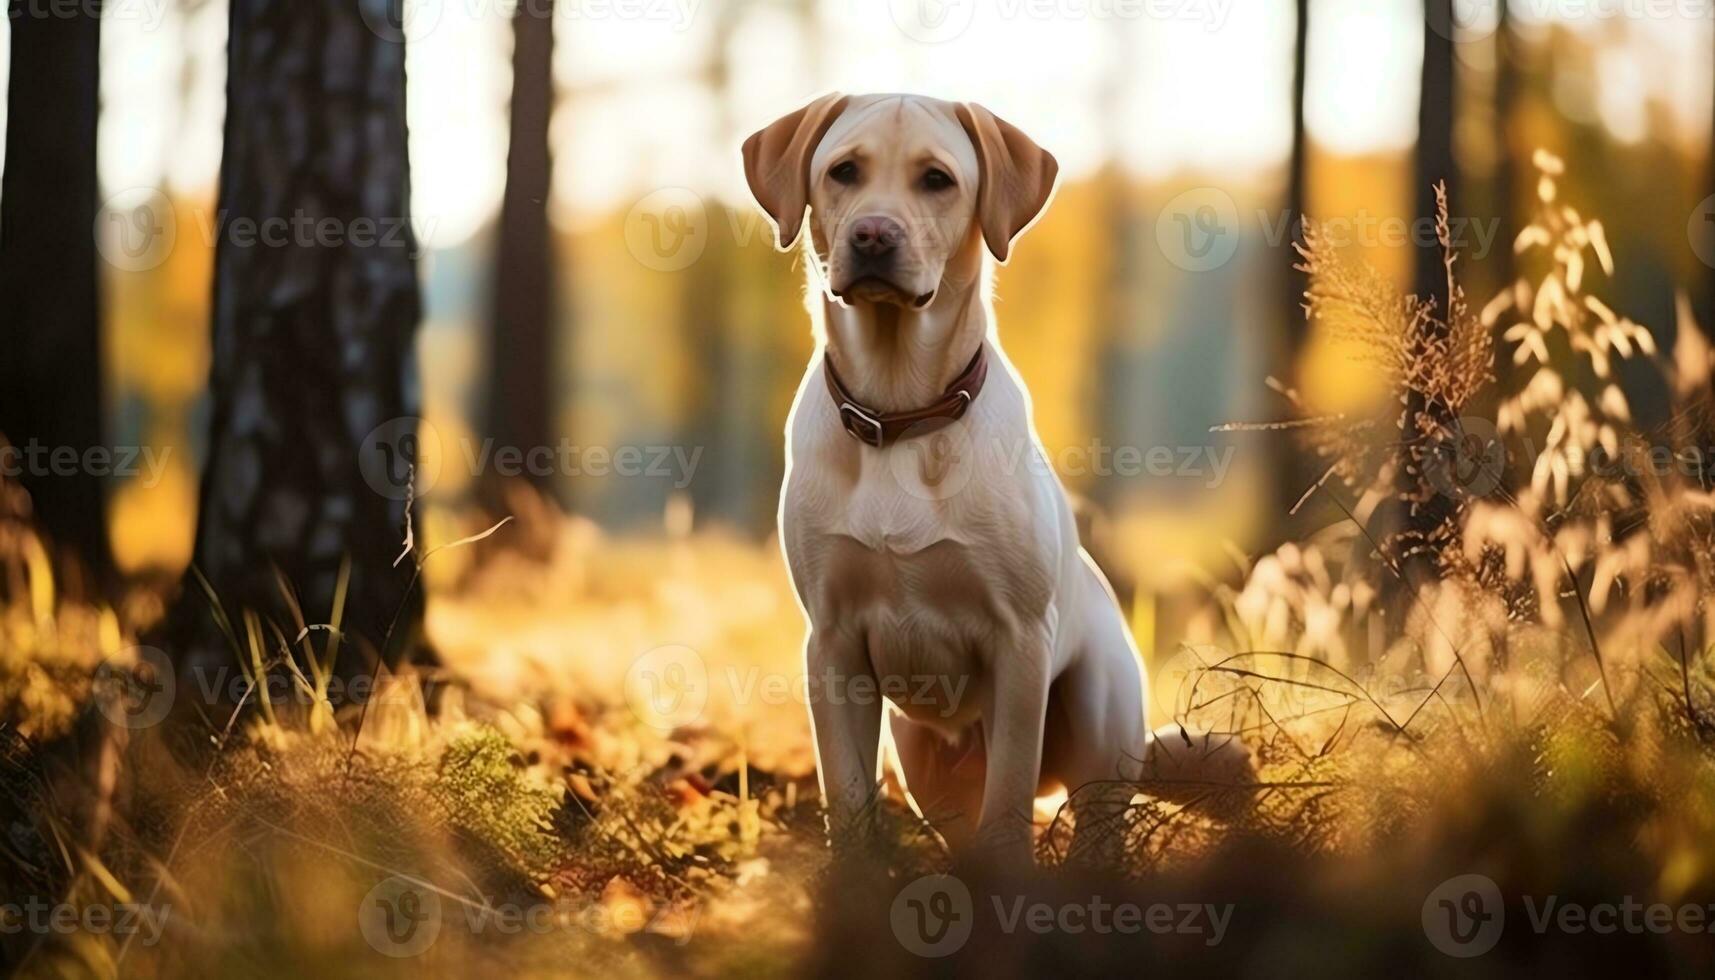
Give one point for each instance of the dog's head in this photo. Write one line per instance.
(899, 188)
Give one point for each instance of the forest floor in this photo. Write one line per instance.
(613, 775)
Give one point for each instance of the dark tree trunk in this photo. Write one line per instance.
(727, 481)
(1297, 189)
(1116, 415)
(1423, 513)
(1704, 292)
(521, 363)
(1298, 466)
(1116, 303)
(1434, 158)
(50, 323)
(1506, 174)
(313, 376)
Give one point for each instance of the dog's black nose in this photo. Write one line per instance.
(876, 236)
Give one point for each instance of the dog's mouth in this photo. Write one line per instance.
(875, 289)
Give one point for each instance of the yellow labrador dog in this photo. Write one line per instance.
(931, 546)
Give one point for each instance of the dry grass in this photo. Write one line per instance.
(1543, 714)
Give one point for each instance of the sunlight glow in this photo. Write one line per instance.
(163, 98)
(1204, 90)
(1621, 93)
(1212, 100)
(193, 165)
(1379, 44)
(140, 108)
(458, 79)
(1165, 93)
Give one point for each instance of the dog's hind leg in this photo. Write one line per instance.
(1099, 733)
(943, 776)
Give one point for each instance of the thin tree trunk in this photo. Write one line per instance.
(1117, 312)
(1434, 157)
(1506, 174)
(723, 489)
(1297, 188)
(521, 350)
(1118, 291)
(50, 323)
(313, 377)
(1423, 513)
(1703, 298)
(1298, 467)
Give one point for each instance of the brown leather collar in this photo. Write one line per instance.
(880, 429)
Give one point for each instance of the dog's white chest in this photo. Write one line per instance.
(892, 508)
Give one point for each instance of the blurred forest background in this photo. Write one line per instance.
(673, 322)
(562, 179)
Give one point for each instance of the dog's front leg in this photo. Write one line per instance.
(1012, 729)
(845, 716)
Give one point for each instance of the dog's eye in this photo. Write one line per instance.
(936, 179)
(844, 173)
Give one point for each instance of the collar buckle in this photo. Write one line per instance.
(862, 426)
(877, 429)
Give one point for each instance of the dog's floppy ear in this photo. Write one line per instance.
(777, 162)
(1017, 176)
